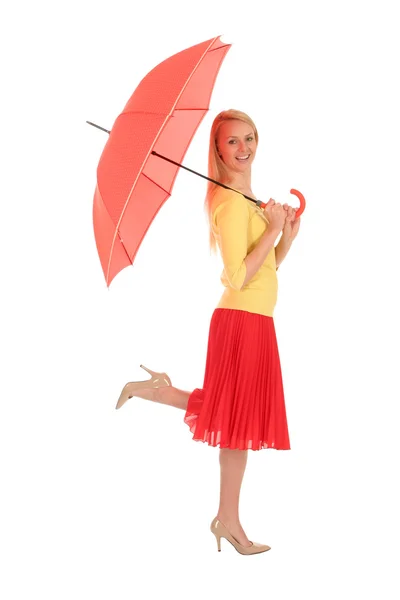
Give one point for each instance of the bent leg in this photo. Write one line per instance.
(165, 395)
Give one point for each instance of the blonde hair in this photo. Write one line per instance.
(216, 167)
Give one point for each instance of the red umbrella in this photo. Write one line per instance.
(161, 116)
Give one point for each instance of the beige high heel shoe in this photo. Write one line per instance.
(219, 530)
(157, 380)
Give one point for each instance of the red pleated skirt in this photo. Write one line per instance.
(241, 405)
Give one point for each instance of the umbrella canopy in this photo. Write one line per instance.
(162, 115)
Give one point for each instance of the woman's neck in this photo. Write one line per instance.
(240, 182)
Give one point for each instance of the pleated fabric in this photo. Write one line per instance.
(241, 405)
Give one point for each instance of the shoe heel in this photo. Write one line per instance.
(148, 370)
(215, 530)
(157, 377)
(218, 538)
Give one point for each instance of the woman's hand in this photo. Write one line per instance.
(275, 214)
(291, 226)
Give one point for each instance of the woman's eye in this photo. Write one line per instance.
(232, 141)
(250, 139)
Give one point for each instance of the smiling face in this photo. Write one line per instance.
(236, 145)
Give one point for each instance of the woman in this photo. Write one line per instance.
(241, 405)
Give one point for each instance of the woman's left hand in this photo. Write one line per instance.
(292, 225)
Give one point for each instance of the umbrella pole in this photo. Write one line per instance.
(258, 202)
(98, 126)
(203, 176)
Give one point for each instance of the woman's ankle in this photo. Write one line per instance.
(228, 520)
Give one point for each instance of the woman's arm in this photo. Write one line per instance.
(232, 219)
(281, 250)
(257, 256)
(289, 233)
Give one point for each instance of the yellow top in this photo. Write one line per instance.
(237, 225)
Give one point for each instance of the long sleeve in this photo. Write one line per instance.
(231, 218)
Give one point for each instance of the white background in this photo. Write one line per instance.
(98, 503)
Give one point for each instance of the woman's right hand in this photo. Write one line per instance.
(275, 214)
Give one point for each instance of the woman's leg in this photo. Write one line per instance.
(233, 465)
(165, 395)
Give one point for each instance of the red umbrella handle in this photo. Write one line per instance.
(300, 210)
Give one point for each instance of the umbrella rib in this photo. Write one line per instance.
(154, 142)
(179, 109)
(219, 47)
(148, 112)
(155, 183)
